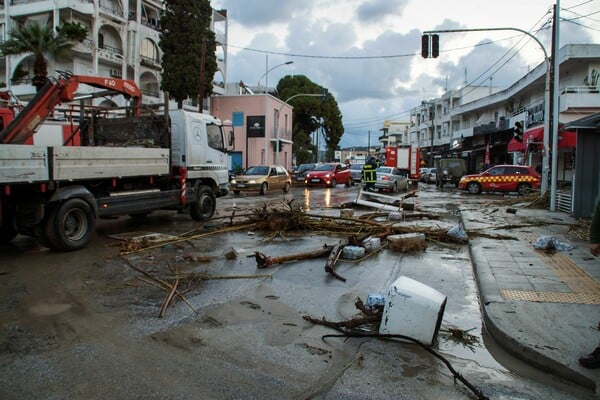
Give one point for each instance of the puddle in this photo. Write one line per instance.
(46, 309)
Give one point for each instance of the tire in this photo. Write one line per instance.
(474, 187)
(348, 183)
(263, 188)
(236, 192)
(204, 205)
(286, 188)
(395, 188)
(333, 183)
(523, 189)
(70, 225)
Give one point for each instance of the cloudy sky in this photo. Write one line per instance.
(367, 52)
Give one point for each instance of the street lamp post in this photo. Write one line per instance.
(277, 120)
(266, 76)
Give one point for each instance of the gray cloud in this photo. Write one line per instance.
(375, 10)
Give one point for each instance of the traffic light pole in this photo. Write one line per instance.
(545, 161)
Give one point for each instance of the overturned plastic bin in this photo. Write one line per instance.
(413, 309)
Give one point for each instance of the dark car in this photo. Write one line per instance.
(301, 172)
(502, 178)
(356, 171)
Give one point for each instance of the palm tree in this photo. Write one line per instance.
(41, 41)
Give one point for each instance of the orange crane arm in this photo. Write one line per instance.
(64, 90)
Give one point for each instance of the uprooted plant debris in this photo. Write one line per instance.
(178, 285)
(367, 325)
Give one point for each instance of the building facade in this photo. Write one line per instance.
(122, 42)
(474, 121)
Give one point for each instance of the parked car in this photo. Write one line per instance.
(356, 172)
(329, 174)
(424, 174)
(262, 178)
(502, 178)
(301, 172)
(390, 178)
(431, 175)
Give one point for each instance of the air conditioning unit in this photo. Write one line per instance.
(115, 73)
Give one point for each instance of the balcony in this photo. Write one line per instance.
(576, 98)
(150, 62)
(110, 53)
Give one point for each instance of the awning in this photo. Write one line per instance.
(514, 146)
(566, 139)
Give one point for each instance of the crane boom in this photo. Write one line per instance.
(64, 90)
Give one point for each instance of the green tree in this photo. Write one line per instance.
(188, 45)
(311, 114)
(42, 42)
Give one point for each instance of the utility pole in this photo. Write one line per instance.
(369, 146)
(555, 112)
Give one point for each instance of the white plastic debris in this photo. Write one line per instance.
(551, 243)
(458, 232)
(375, 300)
(353, 252)
(372, 243)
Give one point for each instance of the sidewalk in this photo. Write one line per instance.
(541, 306)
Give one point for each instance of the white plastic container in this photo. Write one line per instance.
(413, 309)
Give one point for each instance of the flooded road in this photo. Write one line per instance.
(84, 325)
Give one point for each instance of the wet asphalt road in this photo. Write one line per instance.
(82, 325)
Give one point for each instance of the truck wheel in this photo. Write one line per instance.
(286, 188)
(263, 188)
(523, 189)
(473, 187)
(203, 208)
(70, 225)
(236, 192)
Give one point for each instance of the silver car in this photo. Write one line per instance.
(390, 178)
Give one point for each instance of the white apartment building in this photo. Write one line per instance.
(463, 122)
(122, 42)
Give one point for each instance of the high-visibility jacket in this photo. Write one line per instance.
(368, 172)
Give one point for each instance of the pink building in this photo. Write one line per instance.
(261, 137)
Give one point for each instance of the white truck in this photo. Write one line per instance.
(108, 166)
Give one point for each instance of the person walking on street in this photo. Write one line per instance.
(592, 360)
(369, 175)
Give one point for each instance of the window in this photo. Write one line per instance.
(149, 50)
(497, 171)
(215, 138)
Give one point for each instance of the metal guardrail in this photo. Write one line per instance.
(564, 201)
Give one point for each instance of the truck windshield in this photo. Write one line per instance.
(215, 137)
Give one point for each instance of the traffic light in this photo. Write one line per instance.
(430, 45)
(425, 46)
(435, 46)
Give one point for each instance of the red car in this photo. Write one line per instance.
(502, 178)
(329, 174)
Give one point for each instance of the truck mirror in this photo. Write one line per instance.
(231, 139)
